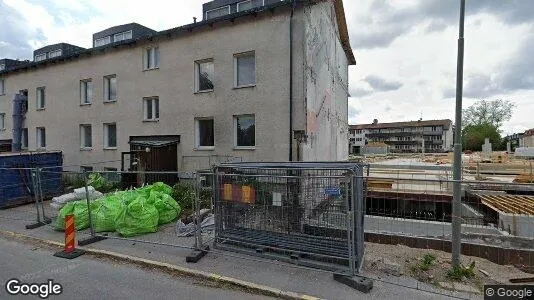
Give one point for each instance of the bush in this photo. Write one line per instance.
(458, 272)
(185, 194)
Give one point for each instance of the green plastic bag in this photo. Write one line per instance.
(136, 218)
(168, 208)
(79, 210)
(161, 187)
(105, 212)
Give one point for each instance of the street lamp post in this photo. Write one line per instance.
(457, 172)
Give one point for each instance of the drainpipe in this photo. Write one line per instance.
(18, 113)
(293, 3)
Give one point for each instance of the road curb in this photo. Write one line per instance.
(257, 288)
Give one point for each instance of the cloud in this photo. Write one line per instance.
(382, 85)
(358, 92)
(17, 39)
(387, 22)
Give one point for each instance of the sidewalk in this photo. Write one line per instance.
(256, 271)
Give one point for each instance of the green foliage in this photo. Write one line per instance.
(425, 263)
(459, 272)
(485, 112)
(473, 136)
(184, 193)
(99, 182)
(73, 181)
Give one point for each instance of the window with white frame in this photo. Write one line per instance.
(55, 53)
(121, 36)
(40, 137)
(151, 108)
(40, 97)
(110, 88)
(2, 121)
(24, 140)
(40, 57)
(86, 136)
(218, 12)
(244, 131)
(2, 67)
(2, 87)
(110, 135)
(204, 72)
(102, 41)
(86, 91)
(244, 69)
(249, 4)
(151, 58)
(204, 133)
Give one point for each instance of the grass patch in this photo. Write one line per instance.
(425, 263)
(461, 271)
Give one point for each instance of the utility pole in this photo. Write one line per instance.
(457, 172)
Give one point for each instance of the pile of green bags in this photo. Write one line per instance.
(130, 212)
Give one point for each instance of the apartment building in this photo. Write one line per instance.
(528, 138)
(403, 137)
(257, 80)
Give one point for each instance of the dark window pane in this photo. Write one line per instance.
(149, 109)
(112, 88)
(88, 136)
(205, 130)
(205, 76)
(156, 101)
(112, 135)
(246, 131)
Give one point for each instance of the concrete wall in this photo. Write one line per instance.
(326, 90)
(173, 82)
(518, 225)
(528, 141)
(447, 138)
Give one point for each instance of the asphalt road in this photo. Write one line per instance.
(92, 278)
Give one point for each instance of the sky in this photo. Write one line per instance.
(406, 50)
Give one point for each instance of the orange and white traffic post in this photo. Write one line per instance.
(70, 250)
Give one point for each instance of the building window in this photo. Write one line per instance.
(204, 133)
(2, 87)
(204, 72)
(151, 108)
(218, 12)
(122, 36)
(2, 67)
(112, 174)
(24, 141)
(41, 137)
(86, 169)
(41, 97)
(40, 57)
(249, 4)
(110, 135)
(2, 121)
(244, 69)
(86, 136)
(86, 91)
(54, 53)
(110, 88)
(102, 41)
(244, 131)
(151, 58)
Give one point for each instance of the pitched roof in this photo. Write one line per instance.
(445, 122)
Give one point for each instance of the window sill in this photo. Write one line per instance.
(203, 91)
(109, 101)
(150, 121)
(86, 149)
(41, 148)
(244, 148)
(38, 109)
(204, 148)
(110, 148)
(85, 104)
(151, 69)
(2, 94)
(244, 86)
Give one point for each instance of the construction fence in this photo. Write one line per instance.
(336, 217)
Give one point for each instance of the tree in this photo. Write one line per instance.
(473, 136)
(486, 112)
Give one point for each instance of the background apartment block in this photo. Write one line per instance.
(403, 137)
(255, 80)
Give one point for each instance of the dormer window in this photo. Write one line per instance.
(122, 36)
(249, 4)
(102, 41)
(40, 57)
(54, 53)
(218, 12)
